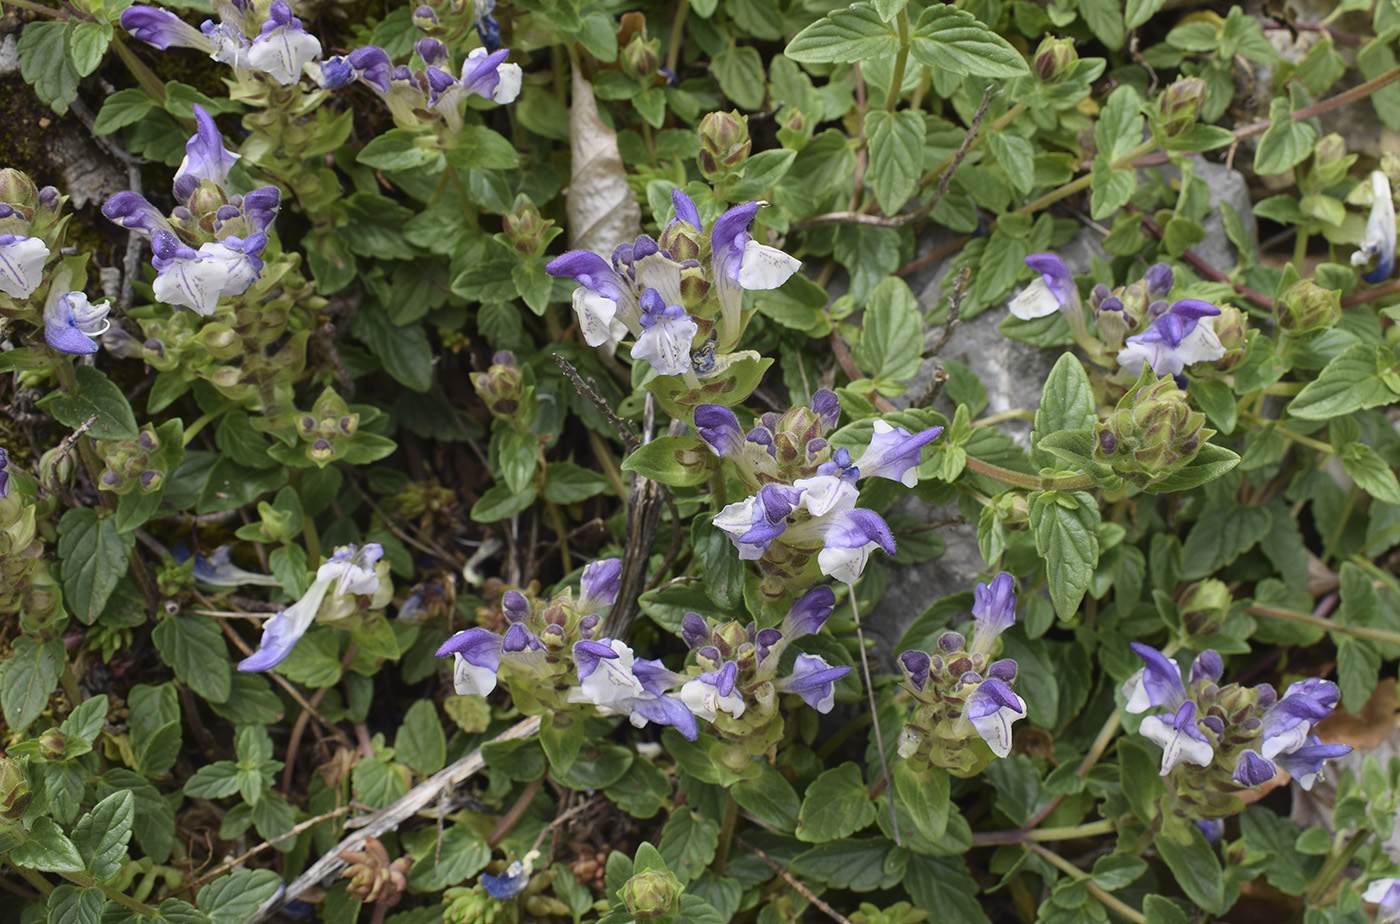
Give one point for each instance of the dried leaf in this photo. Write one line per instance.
(602, 210)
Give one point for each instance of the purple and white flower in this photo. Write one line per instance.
(283, 47)
(714, 692)
(1053, 291)
(994, 611)
(614, 680)
(4, 474)
(349, 571)
(206, 158)
(1174, 340)
(1379, 241)
(71, 322)
(991, 709)
(21, 264)
(667, 332)
(197, 279)
(1180, 738)
(218, 570)
(1157, 684)
(814, 680)
(1386, 893)
(476, 659)
(740, 262)
(280, 50)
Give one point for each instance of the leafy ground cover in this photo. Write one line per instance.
(721, 460)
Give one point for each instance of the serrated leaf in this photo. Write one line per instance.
(47, 849)
(1220, 536)
(94, 396)
(45, 64)
(69, 904)
(87, 45)
(94, 556)
(122, 108)
(102, 834)
(480, 148)
(1111, 189)
(1066, 403)
(739, 70)
(836, 805)
(195, 649)
(925, 796)
(1196, 868)
(688, 844)
(1066, 527)
(956, 42)
(1285, 143)
(770, 798)
(420, 741)
(1350, 382)
(27, 679)
(1370, 471)
(500, 502)
(896, 143)
(233, 899)
(858, 33)
(891, 344)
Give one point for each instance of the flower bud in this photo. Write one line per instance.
(1180, 105)
(502, 386)
(1204, 606)
(528, 233)
(641, 57)
(652, 894)
(1307, 309)
(1151, 433)
(17, 189)
(724, 143)
(57, 467)
(1330, 162)
(1233, 332)
(426, 20)
(1055, 59)
(14, 790)
(52, 744)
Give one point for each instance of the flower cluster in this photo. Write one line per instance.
(351, 573)
(1175, 338)
(208, 247)
(1235, 737)
(804, 493)
(1379, 242)
(436, 91)
(964, 696)
(738, 687)
(554, 657)
(678, 293)
(280, 48)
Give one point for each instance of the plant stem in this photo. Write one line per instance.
(1336, 863)
(1083, 182)
(1288, 434)
(1016, 413)
(1094, 888)
(121, 898)
(199, 424)
(874, 712)
(143, 74)
(726, 834)
(1327, 625)
(36, 8)
(901, 60)
(673, 50)
(1022, 836)
(1029, 482)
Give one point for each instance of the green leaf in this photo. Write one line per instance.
(1105, 19)
(94, 396)
(896, 144)
(1137, 12)
(480, 148)
(1370, 471)
(379, 781)
(396, 149)
(213, 781)
(1210, 463)
(46, 65)
(1066, 403)
(1215, 398)
(891, 344)
(233, 899)
(405, 351)
(69, 904)
(1066, 527)
(566, 483)
(925, 796)
(836, 805)
(1196, 867)
(1111, 189)
(47, 849)
(29, 676)
(688, 843)
(843, 36)
(1351, 382)
(420, 741)
(1220, 536)
(642, 791)
(518, 454)
(94, 556)
(461, 854)
(770, 798)
(102, 834)
(155, 728)
(500, 502)
(944, 883)
(955, 42)
(679, 461)
(195, 649)
(739, 70)
(1358, 671)
(122, 108)
(888, 9)
(723, 570)
(88, 45)
(230, 485)
(1119, 126)
(861, 864)
(1285, 143)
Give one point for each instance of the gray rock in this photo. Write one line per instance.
(1226, 185)
(9, 55)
